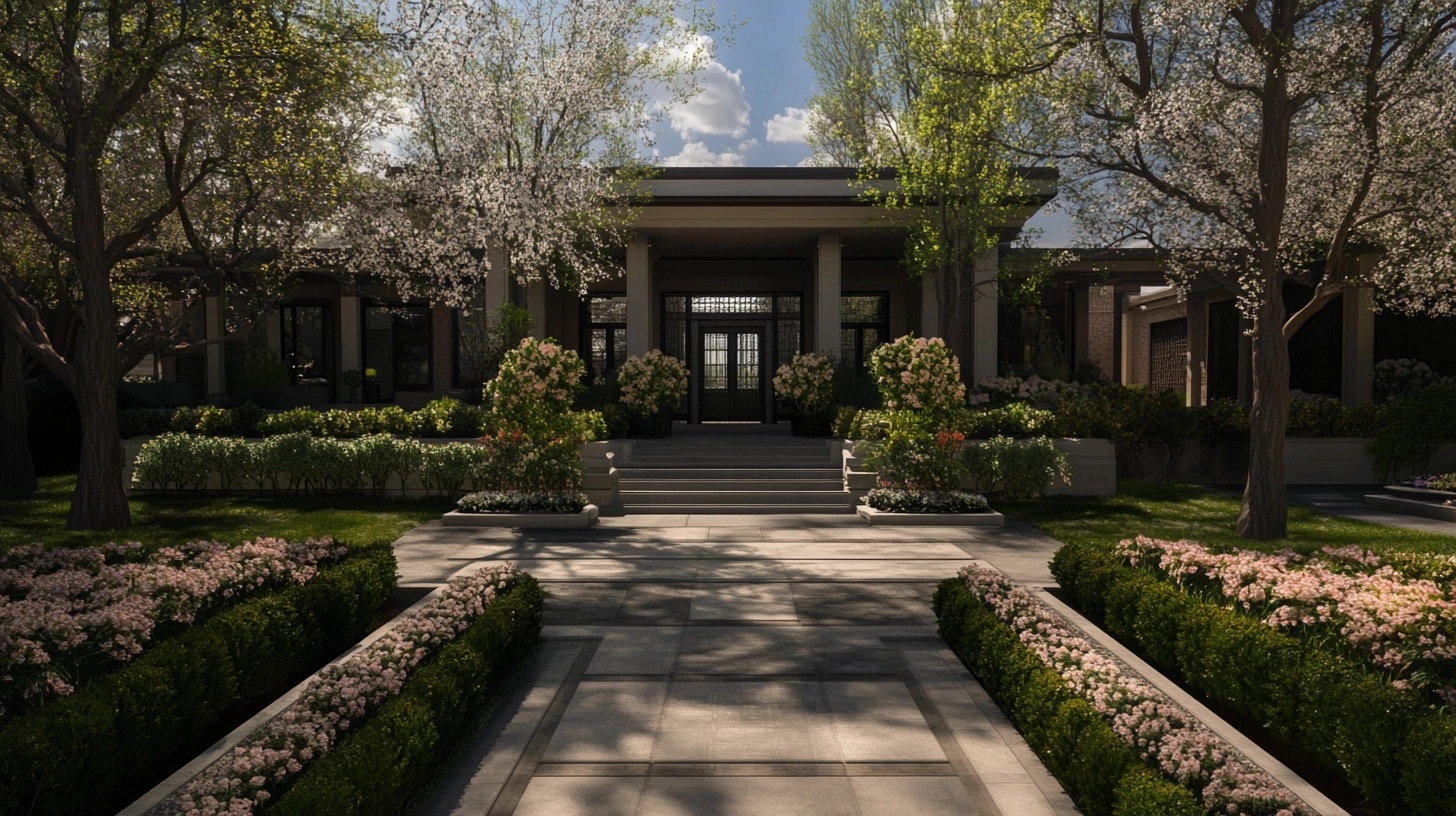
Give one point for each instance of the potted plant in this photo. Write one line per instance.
(808, 382)
(652, 386)
(371, 385)
(352, 379)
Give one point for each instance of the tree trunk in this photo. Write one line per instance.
(17, 470)
(1265, 510)
(954, 318)
(100, 499)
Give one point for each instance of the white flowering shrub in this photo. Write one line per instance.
(807, 381)
(652, 384)
(1401, 376)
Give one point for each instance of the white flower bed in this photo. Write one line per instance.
(61, 609)
(1161, 732)
(340, 696)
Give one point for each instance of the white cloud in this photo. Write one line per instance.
(790, 126)
(719, 109)
(697, 154)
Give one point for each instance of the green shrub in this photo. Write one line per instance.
(294, 420)
(173, 460)
(1143, 793)
(614, 421)
(1016, 419)
(341, 423)
(97, 749)
(890, 500)
(246, 418)
(1221, 422)
(1345, 716)
(209, 420)
(912, 458)
(143, 421)
(1415, 427)
(1148, 428)
(377, 767)
(522, 501)
(1076, 744)
(444, 469)
(1016, 469)
(448, 417)
(230, 458)
(1315, 417)
(854, 386)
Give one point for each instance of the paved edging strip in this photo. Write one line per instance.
(532, 521)
(880, 518)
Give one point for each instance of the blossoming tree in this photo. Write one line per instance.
(524, 121)
(1260, 144)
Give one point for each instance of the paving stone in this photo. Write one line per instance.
(744, 650)
(743, 602)
(736, 570)
(863, 603)
(749, 796)
(659, 604)
(727, 721)
(568, 603)
(637, 650)
(922, 796)
(879, 722)
(614, 721)
(582, 796)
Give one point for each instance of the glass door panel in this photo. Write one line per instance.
(731, 382)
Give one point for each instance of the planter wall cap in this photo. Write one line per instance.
(880, 518)
(542, 521)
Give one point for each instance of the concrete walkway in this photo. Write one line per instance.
(1348, 501)
(741, 665)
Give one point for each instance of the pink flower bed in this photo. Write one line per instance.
(62, 610)
(340, 696)
(1403, 625)
(1162, 733)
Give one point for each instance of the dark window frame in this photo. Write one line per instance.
(286, 311)
(858, 326)
(395, 386)
(587, 326)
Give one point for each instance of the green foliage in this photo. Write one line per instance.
(173, 460)
(912, 457)
(891, 500)
(1415, 427)
(1077, 745)
(143, 421)
(1016, 419)
(97, 749)
(296, 461)
(845, 417)
(446, 468)
(1143, 793)
(1345, 716)
(294, 420)
(378, 766)
(1221, 422)
(1314, 417)
(448, 417)
(1016, 469)
(1148, 428)
(854, 386)
(523, 501)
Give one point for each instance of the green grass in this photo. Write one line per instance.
(162, 520)
(1174, 512)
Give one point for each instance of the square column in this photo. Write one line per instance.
(497, 281)
(214, 327)
(1197, 355)
(985, 315)
(827, 291)
(1357, 359)
(639, 298)
(929, 308)
(349, 336)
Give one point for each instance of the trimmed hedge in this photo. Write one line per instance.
(96, 750)
(379, 766)
(1399, 752)
(1101, 773)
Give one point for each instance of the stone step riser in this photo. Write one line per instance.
(734, 509)
(771, 474)
(732, 485)
(631, 497)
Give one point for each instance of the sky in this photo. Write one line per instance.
(754, 96)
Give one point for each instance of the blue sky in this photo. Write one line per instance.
(755, 93)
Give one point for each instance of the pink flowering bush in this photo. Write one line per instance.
(920, 374)
(652, 384)
(341, 697)
(66, 614)
(1163, 735)
(537, 378)
(1402, 625)
(807, 381)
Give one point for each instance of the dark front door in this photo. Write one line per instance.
(732, 376)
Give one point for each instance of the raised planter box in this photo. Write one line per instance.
(1343, 460)
(881, 518)
(536, 521)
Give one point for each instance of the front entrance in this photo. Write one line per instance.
(731, 385)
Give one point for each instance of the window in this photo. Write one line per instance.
(471, 340)
(864, 324)
(397, 346)
(604, 333)
(307, 339)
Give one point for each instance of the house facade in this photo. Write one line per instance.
(736, 270)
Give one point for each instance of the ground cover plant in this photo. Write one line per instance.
(159, 520)
(349, 697)
(120, 732)
(69, 614)
(1098, 727)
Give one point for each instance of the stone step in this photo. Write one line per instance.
(627, 482)
(817, 474)
(707, 497)
(736, 509)
(738, 459)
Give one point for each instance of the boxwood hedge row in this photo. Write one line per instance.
(380, 765)
(97, 749)
(1098, 770)
(1396, 750)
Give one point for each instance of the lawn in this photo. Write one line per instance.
(161, 520)
(1174, 512)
